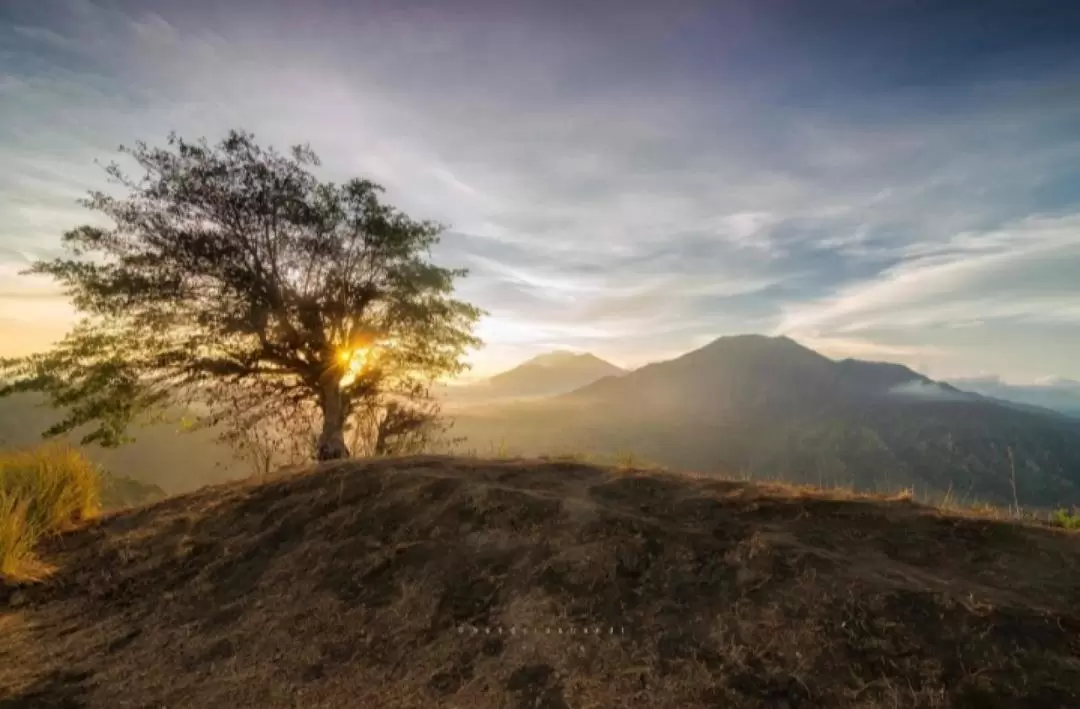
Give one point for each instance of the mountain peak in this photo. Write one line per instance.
(757, 341)
(746, 337)
(550, 373)
(557, 358)
(754, 347)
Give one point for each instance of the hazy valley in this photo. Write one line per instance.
(748, 407)
(769, 408)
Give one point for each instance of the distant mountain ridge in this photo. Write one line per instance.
(547, 374)
(1062, 395)
(769, 406)
(754, 371)
(553, 373)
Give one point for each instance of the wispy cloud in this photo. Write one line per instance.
(633, 186)
(1024, 272)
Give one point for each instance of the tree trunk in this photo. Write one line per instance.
(332, 439)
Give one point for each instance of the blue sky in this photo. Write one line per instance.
(892, 180)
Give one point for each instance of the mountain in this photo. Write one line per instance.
(1062, 395)
(552, 373)
(544, 375)
(442, 582)
(769, 407)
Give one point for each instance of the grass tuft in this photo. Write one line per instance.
(43, 491)
(16, 537)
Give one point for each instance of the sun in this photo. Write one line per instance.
(355, 360)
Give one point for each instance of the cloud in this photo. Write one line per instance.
(1059, 382)
(842, 348)
(638, 187)
(1024, 272)
(926, 391)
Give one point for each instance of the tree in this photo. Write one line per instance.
(236, 284)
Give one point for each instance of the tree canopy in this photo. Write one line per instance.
(235, 284)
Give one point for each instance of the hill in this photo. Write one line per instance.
(464, 583)
(548, 374)
(1062, 395)
(769, 407)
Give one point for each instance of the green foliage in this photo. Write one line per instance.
(235, 282)
(1069, 519)
(42, 491)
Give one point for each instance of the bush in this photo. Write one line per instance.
(42, 491)
(1066, 518)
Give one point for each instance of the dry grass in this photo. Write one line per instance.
(950, 501)
(42, 491)
(17, 538)
(449, 582)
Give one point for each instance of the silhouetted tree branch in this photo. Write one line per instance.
(236, 283)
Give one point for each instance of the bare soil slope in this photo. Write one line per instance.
(440, 582)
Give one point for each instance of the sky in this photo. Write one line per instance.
(894, 180)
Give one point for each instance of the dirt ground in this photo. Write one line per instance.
(442, 582)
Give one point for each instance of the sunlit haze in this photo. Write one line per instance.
(887, 180)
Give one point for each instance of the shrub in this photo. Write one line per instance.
(1066, 518)
(42, 491)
